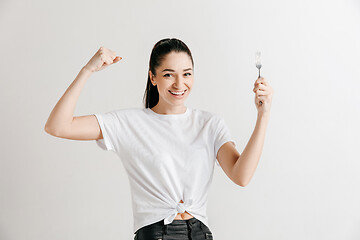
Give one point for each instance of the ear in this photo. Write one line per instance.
(152, 77)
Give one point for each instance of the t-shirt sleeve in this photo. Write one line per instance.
(109, 123)
(222, 135)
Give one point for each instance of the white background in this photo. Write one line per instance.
(306, 185)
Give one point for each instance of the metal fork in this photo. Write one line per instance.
(258, 65)
(258, 61)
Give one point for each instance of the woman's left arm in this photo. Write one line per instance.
(245, 166)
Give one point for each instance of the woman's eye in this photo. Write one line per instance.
(168, 74)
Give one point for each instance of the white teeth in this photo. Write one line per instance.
(177, 93)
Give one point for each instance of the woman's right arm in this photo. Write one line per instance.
(61, 122)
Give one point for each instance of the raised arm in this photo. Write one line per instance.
(61, 122)
(240, 168)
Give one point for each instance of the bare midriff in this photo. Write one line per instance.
(183, 216)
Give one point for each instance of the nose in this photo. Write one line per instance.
(179, 82)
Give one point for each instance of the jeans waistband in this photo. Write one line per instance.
(184, 222)
(178, 222)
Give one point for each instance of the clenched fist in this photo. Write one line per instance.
(263, 93)
(102, 58)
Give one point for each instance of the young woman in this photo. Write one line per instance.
(168, 149)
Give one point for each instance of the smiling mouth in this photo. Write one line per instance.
(178, 93)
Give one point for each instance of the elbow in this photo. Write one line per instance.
(239, 181)
(46, 129)
(242, 183)
(50, 131)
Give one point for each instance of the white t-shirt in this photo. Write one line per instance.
(168, 158)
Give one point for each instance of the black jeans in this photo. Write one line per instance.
(191, 229)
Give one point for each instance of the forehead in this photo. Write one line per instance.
(176, 61)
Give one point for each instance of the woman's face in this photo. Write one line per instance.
(174, 75)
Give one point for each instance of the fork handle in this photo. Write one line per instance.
(258, 78)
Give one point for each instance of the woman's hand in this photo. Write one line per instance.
(102, 58)
(263, 92)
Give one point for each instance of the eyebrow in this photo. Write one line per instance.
(170, 70)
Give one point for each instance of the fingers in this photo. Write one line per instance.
(113, 56)
(263, 91)
(259, 81)
(107, 52)
(260, 87)
(117, 59)
(108, 56)
(108, 60)
(260, 92)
